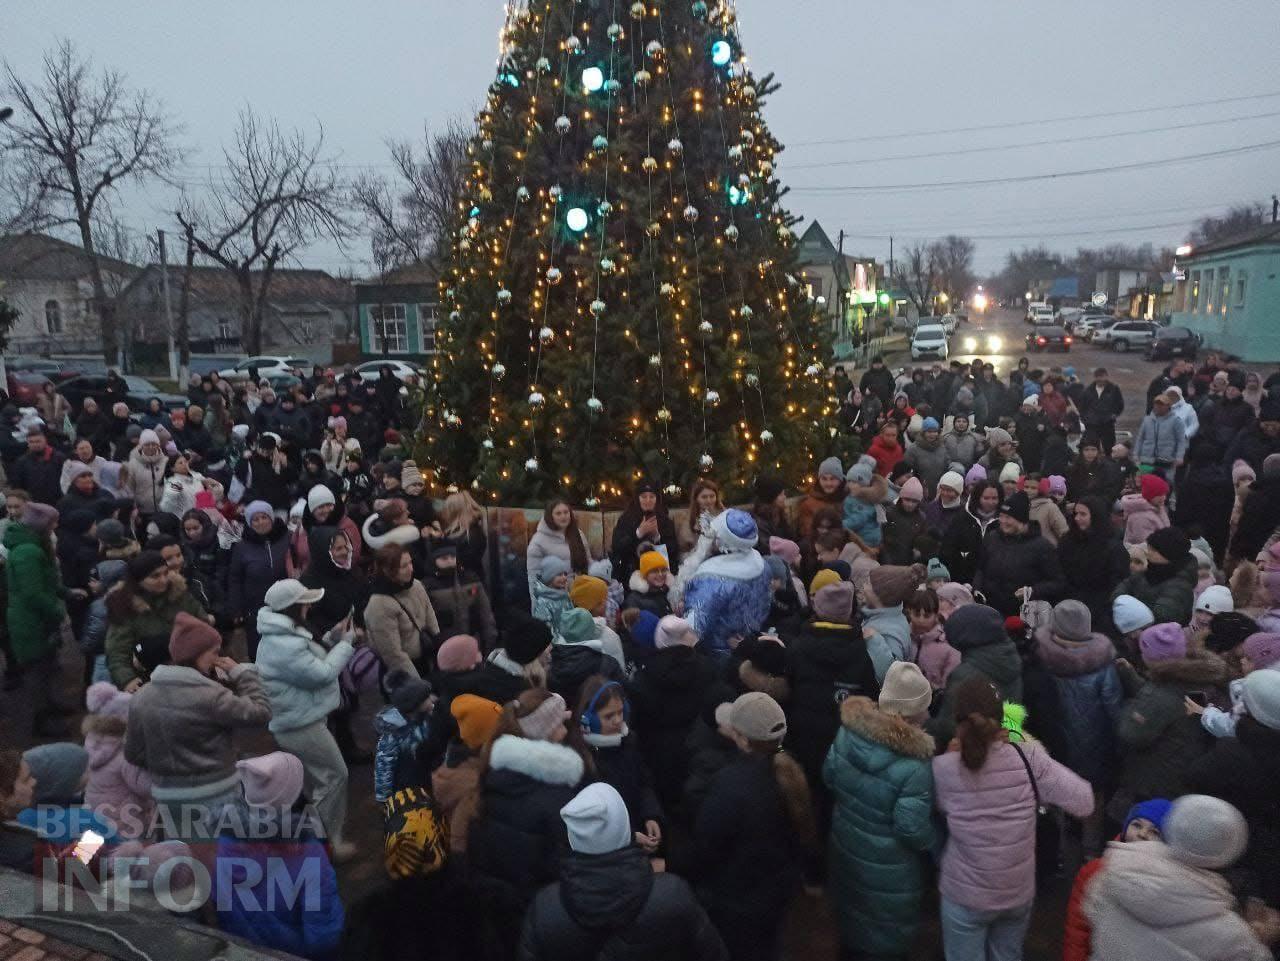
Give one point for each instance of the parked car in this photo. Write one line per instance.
(929, 340)
(268, 366)
(55, 370)
(1127, 334)
(403, 369)
(1173, 342)
(1092, 331)
(140, 393)
(24, 386)
(1048, 337)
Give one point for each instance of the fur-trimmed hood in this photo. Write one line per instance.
(637, 583)
(1065, 658)
(103, 725)
(1198, 667)
(376, 534)
(861, 717)
(542, 761)
(754, 679)
(877, 492)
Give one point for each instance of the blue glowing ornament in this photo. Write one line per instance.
(738, 196)
(721, 53)
(510, 79)
(577, 219)
(699, 9)
(593, 79)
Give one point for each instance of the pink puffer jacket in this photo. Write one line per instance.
(937, 658)
(1141, 520)
(989, 863)
(116, 789)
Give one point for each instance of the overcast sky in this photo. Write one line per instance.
(850, 71)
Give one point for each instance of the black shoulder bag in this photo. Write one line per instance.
(1048, 837)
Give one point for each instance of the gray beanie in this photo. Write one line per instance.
(1205, 832)
(860, 474)
(997, 436)
(831, 467)
(58, 769)
(1072, 621)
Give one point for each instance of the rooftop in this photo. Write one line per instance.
(215, 285)
(41, 257)
(1264, 234)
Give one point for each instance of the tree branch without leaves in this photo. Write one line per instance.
(411, 214)
(279, 194)
(75, 136)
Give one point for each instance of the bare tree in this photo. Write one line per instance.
(278, 194)
(1234, 221)
(954, 257)
(412, 213)
(918, 274)
(75, 136)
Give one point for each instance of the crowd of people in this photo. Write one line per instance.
(1000, 644)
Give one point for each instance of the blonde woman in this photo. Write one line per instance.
(463, 522)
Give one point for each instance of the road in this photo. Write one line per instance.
(1131, 371)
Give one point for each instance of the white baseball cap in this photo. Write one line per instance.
(282, 595)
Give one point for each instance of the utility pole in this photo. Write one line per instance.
(168, 307)
(1275, 208)
(184, 312)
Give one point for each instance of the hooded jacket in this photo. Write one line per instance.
(962, 448)
(116, 790)
(612, 907)
(729, 594)
(1089, 699)
(1159, 741)
(345, 589)
(299, 675)
(143, 479)
(462, 606)
(181, 727)
(1259, 517)
(518, 839)
(989, 863)
(257, 562)
(900, 534)
(1093, 561)
(860, 514)
(644, 597)
(962, 544)
(1161, 440)
(1047, 515)
(134, 617)
(826, 663)
(178, 502)
(880, 774)
(395, 764)
(1171, 598)
(1224, 420)
(985, 651)
(1146, 904)
(1141, 519)
(1011, 562)
(929, 461)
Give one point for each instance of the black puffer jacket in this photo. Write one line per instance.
(572, 664)
(1258, 519)
(1169, 594)
(666, 696)
(1093, 562)
(518, 838)
(825, 664)
(1008, 563)
(962, 545)
(612, 907)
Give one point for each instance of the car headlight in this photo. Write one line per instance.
(994, 343)
(970, 344)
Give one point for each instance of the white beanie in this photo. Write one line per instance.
(1010, 472)
(148, 436)
(597, 820)
(1205, 832)
(318, 496)
(1130, 614)
(1216, 599)
(952, 480)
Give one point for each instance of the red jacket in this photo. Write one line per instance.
(1077, 936)
(886, 455)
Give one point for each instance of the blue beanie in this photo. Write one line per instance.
(930, 424)
(1155, 811)
(777, 569)
(1029, 388)
(643, 631)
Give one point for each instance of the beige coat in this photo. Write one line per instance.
(394, 625)
(1046, 513)
(1145, 905)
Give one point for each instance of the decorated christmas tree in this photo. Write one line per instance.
(622, 297)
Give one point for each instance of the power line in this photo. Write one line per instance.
(1029, 178)
(907, 235)
(877, 138)
(1031, 143)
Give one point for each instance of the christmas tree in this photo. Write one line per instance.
(622, 297)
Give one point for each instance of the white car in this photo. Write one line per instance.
(929, 340)
(371, 370)
(268, 366)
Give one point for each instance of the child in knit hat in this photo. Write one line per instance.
(456, 782)
(578, 652)
(884, 625)
(904, 525)
(603, 569)
(402, 726)
(648, 588)
(929, 647)
(1144, 512)
(292, 857)
(867, 490)
(117, 791)
(592, 595)
(551, 590)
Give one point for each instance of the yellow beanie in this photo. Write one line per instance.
(651, 561)
(588, 592)
(822, 579)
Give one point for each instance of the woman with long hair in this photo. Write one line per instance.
(704, 506)
(754, 833)
(1093, 559)
(827, 491)
(557, 535)
(990, 788)
(644, 525)
(399, 620)
(462, 521)
(963, 537)
(516, 841)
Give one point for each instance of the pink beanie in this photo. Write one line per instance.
(912, 490)
(544, 719)
(1163, 642)
(672, 632)
(272, 780)
(789, 551)
(1262, 649)
(459, 653)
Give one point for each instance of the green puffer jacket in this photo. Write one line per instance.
(133, 617)
(1171, 599)
(35, 607)
(880, 772)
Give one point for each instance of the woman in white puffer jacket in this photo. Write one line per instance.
(181, 485)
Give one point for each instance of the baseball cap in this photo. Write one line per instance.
(282, 595)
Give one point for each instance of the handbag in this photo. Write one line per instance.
(426, 640)
(1048, 838)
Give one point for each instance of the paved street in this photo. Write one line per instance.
(1131, 370)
